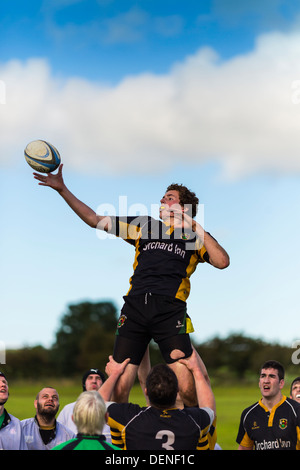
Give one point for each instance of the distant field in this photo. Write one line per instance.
(230, 403)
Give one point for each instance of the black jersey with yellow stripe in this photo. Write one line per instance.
(149, 428)
(165, 257)
(208, 442)
(278, 429)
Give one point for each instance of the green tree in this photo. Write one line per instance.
(86, 335)
(28, 362)
(238, 356)
(95, 347)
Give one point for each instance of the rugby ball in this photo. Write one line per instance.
(42, 156)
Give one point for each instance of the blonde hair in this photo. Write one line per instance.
(89, 413)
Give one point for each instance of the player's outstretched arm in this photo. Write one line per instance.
(88, 215)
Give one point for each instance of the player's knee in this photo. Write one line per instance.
(177, 354)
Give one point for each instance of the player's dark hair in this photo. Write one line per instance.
(297, 379)
(186, 197)
(274, 365)
(162, 386)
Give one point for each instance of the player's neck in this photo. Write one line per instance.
(45, 421)
(270, 402)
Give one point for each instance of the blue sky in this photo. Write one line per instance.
(136, 95)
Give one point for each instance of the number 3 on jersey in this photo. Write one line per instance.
(170, 439)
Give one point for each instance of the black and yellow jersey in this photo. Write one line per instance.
(149, 428)
(165, 257)
(208, 442)
(278, 429)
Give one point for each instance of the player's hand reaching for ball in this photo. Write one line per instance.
(88, 215)
(54, 181)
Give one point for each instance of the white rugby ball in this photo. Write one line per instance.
(42, 156)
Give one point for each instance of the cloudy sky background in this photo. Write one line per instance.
(136, 95)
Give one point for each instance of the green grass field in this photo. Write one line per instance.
(231, 400)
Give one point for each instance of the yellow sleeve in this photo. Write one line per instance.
(116, 432)
(298, 438)
(129, 231)
(246, 441)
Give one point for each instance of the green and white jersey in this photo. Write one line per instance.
(11, 434)
(83, 442)
(34, 439)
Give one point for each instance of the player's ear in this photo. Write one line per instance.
(187, 208)
(281, 383)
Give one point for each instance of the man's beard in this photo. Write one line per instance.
(47, 413)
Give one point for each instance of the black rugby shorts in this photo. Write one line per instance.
(149, 316)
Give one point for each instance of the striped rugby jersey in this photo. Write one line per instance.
(278, 429)
(149, 428)
(165, 257)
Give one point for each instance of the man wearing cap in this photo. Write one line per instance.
(92, 380)
(11, 435)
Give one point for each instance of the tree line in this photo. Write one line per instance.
(85, 339)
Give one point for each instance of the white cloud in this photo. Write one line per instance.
(243, 113)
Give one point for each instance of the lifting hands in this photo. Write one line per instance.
(114, 370)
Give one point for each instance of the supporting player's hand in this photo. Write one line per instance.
(51, 180)
(116, 368)
(194, 362)
(191, 362)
